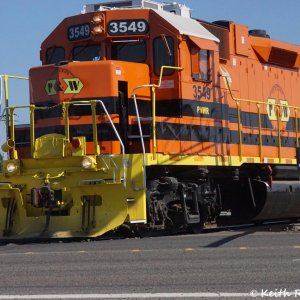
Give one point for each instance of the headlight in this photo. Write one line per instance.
(12, 167)
(88, 163)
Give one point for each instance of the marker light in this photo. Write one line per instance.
(88, 162)
(98, 24)
(98, 30)
(97, 19)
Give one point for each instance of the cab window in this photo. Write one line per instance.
(55, 55)
(200, 64)
(163, 49)
(204, 65)
(129, 51)
(87, 53)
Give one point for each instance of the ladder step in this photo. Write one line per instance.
(193, 218)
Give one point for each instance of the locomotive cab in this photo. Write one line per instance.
(91, 56)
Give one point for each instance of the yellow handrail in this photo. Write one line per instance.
(278, 107)
(153, 91)
(65, 113)
(279, 134)
(155, 86)
(65, 106)
(32, 137)
(240, 130)
(260, 133)
(95, 133)
(5, 78)
(6, 95)
(13, 153)
(296, 127)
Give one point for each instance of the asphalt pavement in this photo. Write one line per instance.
(225, 265)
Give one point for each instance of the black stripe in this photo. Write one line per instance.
(168, 108)
(169, 131)
(190, 108)
(166, 131)
(51, 110)
(249, 119)
(198, 133)
(217, 111)
(105, 131)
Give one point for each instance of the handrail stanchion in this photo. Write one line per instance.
(65, 110)
(240, 130)
(260, 133)
(13, 152)
(95, 133)
(32, 136)
(279, 133)
(154, 121)
(296, 127)
(5, 78)
(6, 97)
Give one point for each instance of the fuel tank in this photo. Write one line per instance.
(281, 201)
(256, 200)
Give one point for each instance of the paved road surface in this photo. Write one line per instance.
(226, 265)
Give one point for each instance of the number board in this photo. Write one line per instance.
(79, 32)
(127, 27)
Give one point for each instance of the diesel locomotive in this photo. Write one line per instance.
(144, 117)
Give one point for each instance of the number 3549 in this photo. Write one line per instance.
(201, 92)
(79, 32)
(120, 27)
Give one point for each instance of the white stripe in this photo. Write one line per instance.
(125, 296)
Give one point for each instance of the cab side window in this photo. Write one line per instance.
(204, 64)
(200, 60)
(163, 49)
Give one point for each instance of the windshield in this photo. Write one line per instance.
(87, 53)
(55, 55)
(129, 51)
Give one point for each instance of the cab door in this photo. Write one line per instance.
(168, 98)
(165, 55)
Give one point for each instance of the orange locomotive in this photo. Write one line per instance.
(142, 115)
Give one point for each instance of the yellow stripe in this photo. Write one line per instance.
(196, 160)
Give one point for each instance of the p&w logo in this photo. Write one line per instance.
(73, 86)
